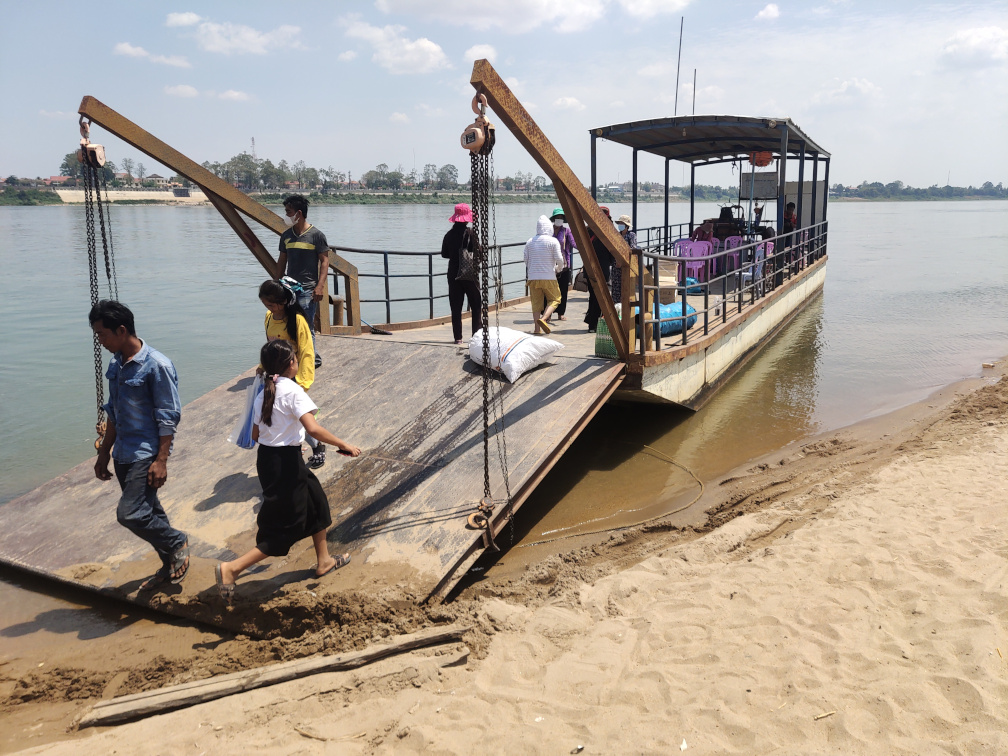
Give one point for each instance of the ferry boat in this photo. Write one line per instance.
(690, 313)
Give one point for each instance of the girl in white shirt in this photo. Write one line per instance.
(294, 504)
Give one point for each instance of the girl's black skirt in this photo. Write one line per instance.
(294, 504)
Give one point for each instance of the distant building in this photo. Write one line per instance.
(57, 180)
(158, 180)
(124, 177)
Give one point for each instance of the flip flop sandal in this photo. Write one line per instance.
(317, 459)
(156, 580)
(179, 564)
(341, 561)
(544, 325)
(226, 591)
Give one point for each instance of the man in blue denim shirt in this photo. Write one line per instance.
(143, 412)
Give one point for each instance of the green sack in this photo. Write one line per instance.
(604, 346)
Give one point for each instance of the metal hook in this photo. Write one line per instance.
(85, 128)
(479, 104)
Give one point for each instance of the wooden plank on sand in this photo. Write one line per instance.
(139, 705)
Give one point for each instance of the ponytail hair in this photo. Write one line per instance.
(275, 357)
(277, 293)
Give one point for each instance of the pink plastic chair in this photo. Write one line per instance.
(698, 268)
(731, 243)
(680, 248)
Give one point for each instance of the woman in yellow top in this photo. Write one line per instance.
(286, 320)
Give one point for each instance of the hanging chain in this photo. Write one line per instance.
(92, 198)
(87, 173)
(498, 397)
(489, 265)
(480, 207)
(105, 217)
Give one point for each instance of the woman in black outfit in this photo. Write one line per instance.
(458, 235)
(605, 261)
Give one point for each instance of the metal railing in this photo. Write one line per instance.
(413, 285)
(397, 285)
(758, 274)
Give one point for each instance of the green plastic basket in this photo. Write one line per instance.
(604, 346)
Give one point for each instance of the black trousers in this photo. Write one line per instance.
(563, 281)
(594, 309)
(458, 291)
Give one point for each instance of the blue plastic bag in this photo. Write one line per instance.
(674, 310)
(241, 434)
(693, 287)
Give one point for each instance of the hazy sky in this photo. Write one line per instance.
(894, 90)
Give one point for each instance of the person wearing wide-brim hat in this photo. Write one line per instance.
(567, 246)
(624, 224)
(461, 283)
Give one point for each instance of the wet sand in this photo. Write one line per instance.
(847, 593)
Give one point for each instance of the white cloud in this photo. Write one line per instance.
(182, 90)
(770, 12)
(57, 114)
(235, 95)
(230, 38)
(394, 52)
(430, 112)
(976, 48)
(182, 19)
(847, 91)
(480, 51)
(346, 56)
(515, 16)
(652, 8)
(125, 48)
(568, 103)
(399, 118)
(132, 51)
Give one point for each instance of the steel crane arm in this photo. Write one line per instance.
(225, 197)
(579, 206)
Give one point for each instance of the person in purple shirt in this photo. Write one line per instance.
(567, 246)
(143, 413)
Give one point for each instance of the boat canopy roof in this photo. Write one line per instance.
(702, 139)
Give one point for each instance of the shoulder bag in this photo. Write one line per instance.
(467, 262)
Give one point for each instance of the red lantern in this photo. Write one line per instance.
(760, 159)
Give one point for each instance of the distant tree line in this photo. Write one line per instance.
(899, 190)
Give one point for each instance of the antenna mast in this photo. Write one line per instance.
(675, 110)
(253, 149)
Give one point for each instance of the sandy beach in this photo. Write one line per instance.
(848, 594)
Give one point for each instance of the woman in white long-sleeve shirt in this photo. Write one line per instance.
(543, 260)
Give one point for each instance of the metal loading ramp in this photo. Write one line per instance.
(415, 409)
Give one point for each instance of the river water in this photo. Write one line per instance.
(916, 297)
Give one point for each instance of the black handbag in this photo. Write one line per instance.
(467, 262)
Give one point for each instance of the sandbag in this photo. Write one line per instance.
(513, 352)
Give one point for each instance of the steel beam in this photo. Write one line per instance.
(226, 198)
(513, 115)
(579, 206)
(150, 145)
(600, 286)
